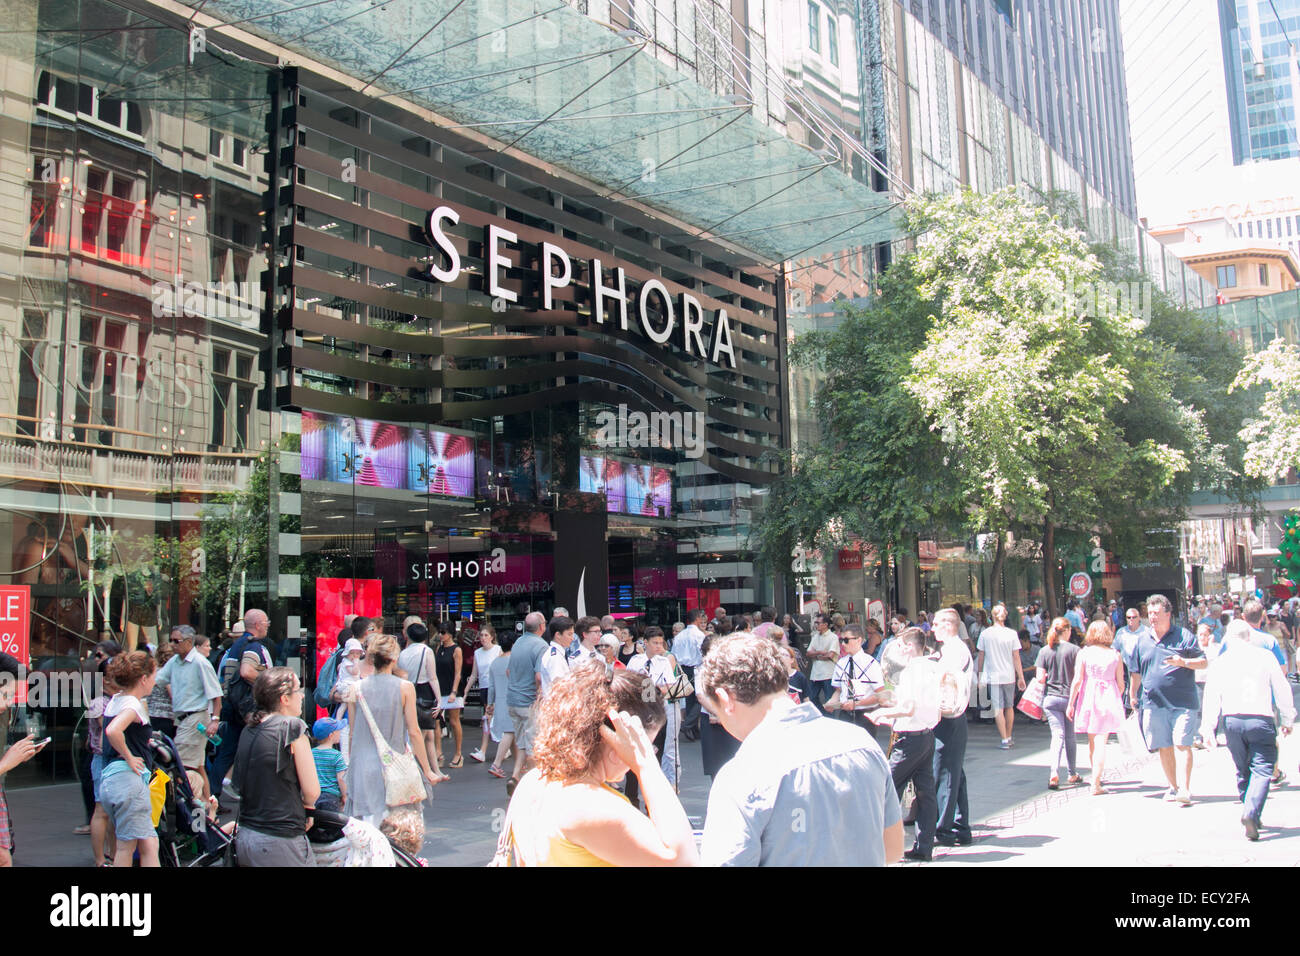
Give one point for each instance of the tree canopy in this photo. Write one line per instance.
(1008, 374)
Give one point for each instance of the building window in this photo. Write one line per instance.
(832, 42)
(1263, 275)
(87, 102)
(1227, 277)
(814, 28)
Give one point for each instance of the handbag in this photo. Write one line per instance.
(1031, 701)
(681, 687)
(403, 782)
(426, 701)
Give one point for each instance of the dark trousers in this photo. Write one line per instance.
(632, 786)
(691, 718)
(821, 693)
(950, 777)
(858, 718)
(1252, 741)
(913, 759)
(224, 758)
(87, 781)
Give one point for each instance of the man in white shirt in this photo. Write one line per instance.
(588, 633)
(658, 663)
(858, 677)
(913, 718)
(999, 667)
(1244, 685)
(950, 736)
(555, 662)
(686, 648)
(823, 651)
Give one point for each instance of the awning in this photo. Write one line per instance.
(540, 76)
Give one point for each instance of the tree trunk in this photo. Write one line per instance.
(1049, 568)
(996, 591)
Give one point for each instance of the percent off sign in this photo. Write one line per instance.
(15, 627)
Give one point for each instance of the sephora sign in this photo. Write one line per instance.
(663, 315)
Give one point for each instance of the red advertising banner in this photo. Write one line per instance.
(850, 559)
(335, 599)
(15, 628)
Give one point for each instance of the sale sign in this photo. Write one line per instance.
(15, 628)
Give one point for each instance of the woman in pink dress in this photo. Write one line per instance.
(1095, 694)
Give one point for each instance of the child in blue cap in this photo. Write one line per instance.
(330, 764)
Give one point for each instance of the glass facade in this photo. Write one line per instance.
(234, 379)
(1263, 78)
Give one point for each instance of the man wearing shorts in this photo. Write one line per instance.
(196, 699)
(1161, 666)
(999, 667)
(523, 686)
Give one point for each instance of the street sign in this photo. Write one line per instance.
(1080, 585)
(15, 629)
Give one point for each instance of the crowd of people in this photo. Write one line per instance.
(586, 717)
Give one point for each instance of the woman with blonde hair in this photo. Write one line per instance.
(391, 701)
(593, 727)
(1096, 694)
(1056, 665)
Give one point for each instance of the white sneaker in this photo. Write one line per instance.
(477, 755)
(1184, 798)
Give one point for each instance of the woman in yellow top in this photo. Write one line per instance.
(593, 727)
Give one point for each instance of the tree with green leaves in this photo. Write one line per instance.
(233, 539)
(1272, 436)
(1002, 380)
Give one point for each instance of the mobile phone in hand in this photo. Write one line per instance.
(38, 744)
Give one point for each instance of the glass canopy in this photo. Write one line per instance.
(585, 97)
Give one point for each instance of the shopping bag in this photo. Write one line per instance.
(1132, 738)
(1031, 701)
(907, 803)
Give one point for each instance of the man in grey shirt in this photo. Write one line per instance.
(523, 682)
(802, 790)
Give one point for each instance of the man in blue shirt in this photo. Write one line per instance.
(1074, 615)
(523, 684)
(1161, 666)
(196, 700)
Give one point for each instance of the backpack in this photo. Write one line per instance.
(953, 696)
(329, 675)
(230, 664)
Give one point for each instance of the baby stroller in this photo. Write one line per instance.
(186, 835)
(339, 840)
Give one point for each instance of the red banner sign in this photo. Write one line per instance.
(850, 559)
(15, 628)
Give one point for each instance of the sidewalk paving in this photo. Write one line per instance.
(1021, 822)
(1133, 826)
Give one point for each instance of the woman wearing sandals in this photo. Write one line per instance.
(1096, 693)
(1056, 661)
(390, 701)
(451, 663)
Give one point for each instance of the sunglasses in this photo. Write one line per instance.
(845, 640)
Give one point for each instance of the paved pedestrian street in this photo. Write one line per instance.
(1133, 826)
(1019, 822)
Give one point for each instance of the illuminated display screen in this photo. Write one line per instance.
(381, 455)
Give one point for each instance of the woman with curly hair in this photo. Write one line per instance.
(592, 729)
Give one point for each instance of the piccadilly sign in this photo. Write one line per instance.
(680, 317)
